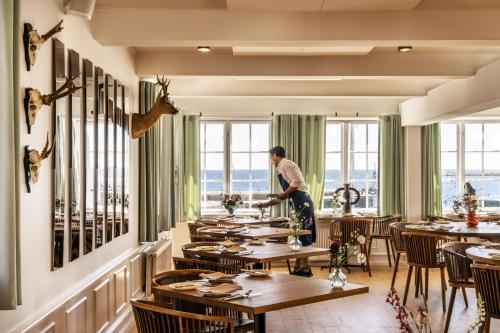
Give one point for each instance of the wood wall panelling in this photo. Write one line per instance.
(102, 299)
(135, 276)
(76, 317)
(121, 294)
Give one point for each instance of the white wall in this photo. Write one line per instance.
(42, 288)
(413, 176)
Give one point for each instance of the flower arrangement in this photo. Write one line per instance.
(480, 315)
(230, 202)
(337, 278)
(419, 321)
(296, 220)
(467, 205)
(337, 202)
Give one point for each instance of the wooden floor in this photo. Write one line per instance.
(369, 313)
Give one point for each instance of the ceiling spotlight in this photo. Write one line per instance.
(204, 49)
(402, 49)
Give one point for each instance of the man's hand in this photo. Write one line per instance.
(282, 196)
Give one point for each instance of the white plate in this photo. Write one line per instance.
(187, 285)
(258, 272)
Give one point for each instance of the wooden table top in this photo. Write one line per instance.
(240, 220)
(488, 230)
(249, 233)
(331, 218)
(482, 217)
(277, 291)
(266, 252)
(482, 254)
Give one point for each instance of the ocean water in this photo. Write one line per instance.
(487, 187)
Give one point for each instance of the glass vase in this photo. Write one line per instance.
(230, 210)
(295, 244)
(472, 219)
(337, 279)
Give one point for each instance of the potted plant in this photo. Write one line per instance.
(337, 278)
(296, 220)
(467, 205)
(230, 202)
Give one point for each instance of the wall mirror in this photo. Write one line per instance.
(100, 163)
(119, 160)
(125, 199)
(109, 153)
(75, 154)
(58, 157)
(88, 159)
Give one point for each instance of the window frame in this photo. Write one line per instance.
(345, 154)
(461, 152)
(227, 156)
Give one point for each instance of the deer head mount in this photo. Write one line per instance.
(34, 100)
(33, 161)
(33, 41)
(163, 105)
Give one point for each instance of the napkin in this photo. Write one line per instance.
(216, 276)
(221, 289)
(494, 255)
(491, 244)
(235, 249)
(228, 243)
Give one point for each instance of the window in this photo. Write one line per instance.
(352, 157)
(470, 152)
(234, 159)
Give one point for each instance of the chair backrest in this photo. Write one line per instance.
(457, 263)
(203, 238)
(341, 230)
(178, 276)
(188, 263)
(152, 318)
(422, 249)
(396, 232)
(231, 262)
(381, 225)
(486, 278)
(193, 227)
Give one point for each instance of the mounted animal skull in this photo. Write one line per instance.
(33, 41)
(163, 105)
(33, 161)
(34, 100)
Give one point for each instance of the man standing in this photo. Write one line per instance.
(294, 188)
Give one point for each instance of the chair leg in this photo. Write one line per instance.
(388, 251)
(464, 292)
(443, 289)
(370, 247)
(393, 250)
(450, 309)
(426, 294)
(289, 268)
(486, 324)
(418, 273)
(396, 264)
(407, 287)
(331, 264)
(368, 263)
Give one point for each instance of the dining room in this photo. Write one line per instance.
(222, 166)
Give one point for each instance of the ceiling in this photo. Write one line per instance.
(314, 50)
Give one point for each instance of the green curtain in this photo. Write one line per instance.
(431, 170)
(10, 256)
(191, 167)
(303, 137)
(391, 175)
(156, 171)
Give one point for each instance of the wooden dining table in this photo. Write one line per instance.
(269, 293)
(483, 254)
(257, 232)
(486, 230)
(266, 252)
(242, 220)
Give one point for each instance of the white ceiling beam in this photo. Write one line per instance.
(147, 27)
(371, 66)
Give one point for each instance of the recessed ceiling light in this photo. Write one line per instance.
(204, 49)
(404, 48)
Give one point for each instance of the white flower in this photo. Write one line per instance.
(361, 239)
(306, 204)
(361, 258)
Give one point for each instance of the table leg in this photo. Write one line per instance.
(258, 265)
(260, 322)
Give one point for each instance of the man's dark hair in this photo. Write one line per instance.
(278, 151)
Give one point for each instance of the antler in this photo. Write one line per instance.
(68, 85)
(53, 31)
(164, 83)
(46, 150)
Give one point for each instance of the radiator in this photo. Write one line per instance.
(158, 259)
(322, 240)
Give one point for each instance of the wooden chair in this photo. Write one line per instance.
(398, 243)
(187, 263)
(381, 230)
(423, 253)
(151, 317)
(195, 237)
(169, 277)
(459, 272)
(341, 232)
(486, 278)
(230, 262)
